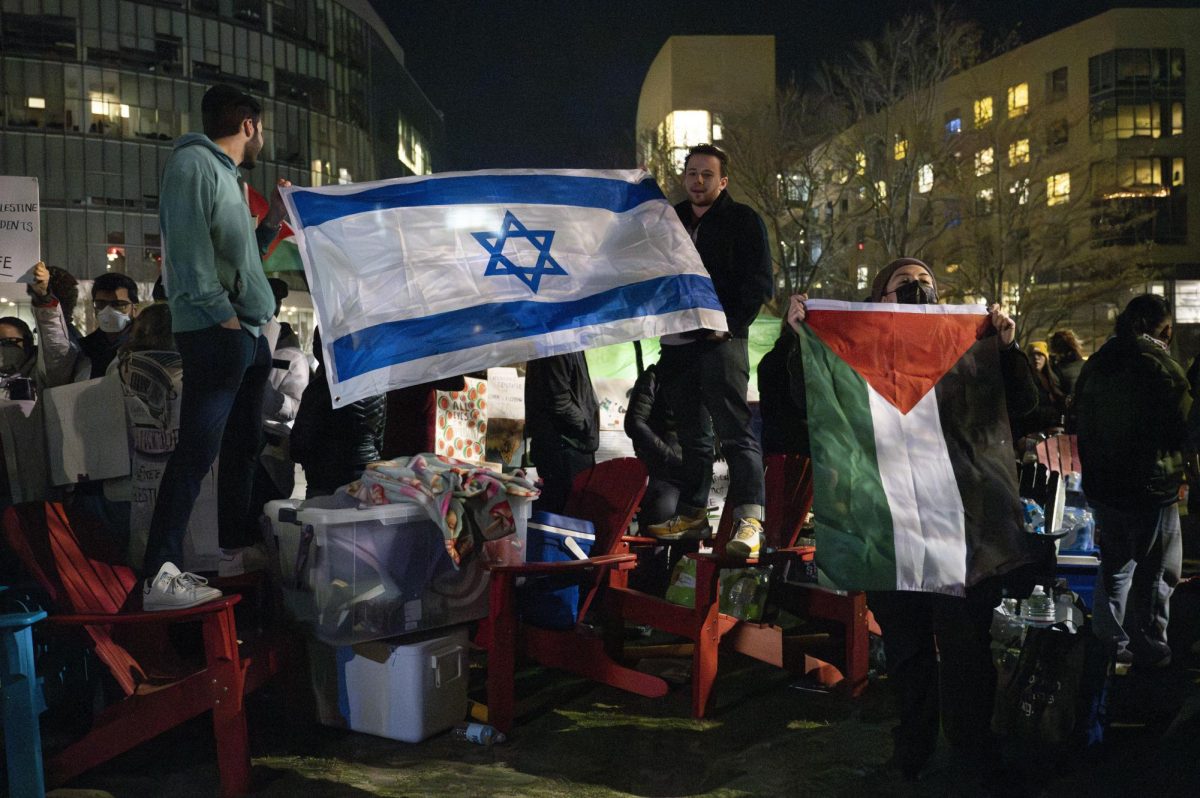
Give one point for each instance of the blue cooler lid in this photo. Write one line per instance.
(563, 525)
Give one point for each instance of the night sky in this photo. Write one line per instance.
(555, 83)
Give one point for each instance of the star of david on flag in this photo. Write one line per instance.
(412, 279)
(500, 263)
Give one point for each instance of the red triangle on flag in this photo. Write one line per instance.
(901, 355)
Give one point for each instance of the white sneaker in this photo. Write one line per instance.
(172, 590)
(235, 562)
(747, 539)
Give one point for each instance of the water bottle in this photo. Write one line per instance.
(479, 733)
(1039, 607)
(741, 595)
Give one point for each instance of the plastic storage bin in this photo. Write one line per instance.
(284, 537)
(383, 571)
(406, 689)
(552, 602)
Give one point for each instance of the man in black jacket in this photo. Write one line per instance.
(562, 421)
(1132, 403)
(714, 367)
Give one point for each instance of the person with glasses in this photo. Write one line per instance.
(114, 301)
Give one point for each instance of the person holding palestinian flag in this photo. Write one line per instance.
(915, 486)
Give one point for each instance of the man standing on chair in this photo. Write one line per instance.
(220, 299)
(710, 369)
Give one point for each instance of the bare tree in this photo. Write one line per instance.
(884, 166)
(775, 156)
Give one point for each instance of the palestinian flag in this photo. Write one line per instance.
(915, 484)
(283, 255)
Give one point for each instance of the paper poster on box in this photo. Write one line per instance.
(20, 228)
(462, 421)
(505, 439)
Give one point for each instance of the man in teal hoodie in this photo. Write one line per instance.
(219, 298)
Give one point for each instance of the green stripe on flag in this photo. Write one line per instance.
(855, 539)
(284, 257)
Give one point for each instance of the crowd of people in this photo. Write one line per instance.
(239, 390)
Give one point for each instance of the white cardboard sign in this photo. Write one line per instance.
(20, 230)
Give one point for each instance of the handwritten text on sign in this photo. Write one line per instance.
(20, 234)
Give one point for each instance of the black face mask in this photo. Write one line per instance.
(916, 293)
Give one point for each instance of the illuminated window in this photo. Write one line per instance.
(953, 123)
(983, 201)
(1018, 100)
(717, 128)
(411, 150)
(1176, 119)
(1018, 152)
(860, 163)
(925, 178)
(900, 150)
(1058, 188)
(984, 161)
(951, 268)
(864, 275)
(685, 129)
(36, 102)
(881, 189)
(1020, 190)
(983, 111)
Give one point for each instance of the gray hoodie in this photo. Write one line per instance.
(211, 266)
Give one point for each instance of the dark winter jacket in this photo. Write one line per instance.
(1068, 373)
(650, 424)
(560, 404)
(332, 445)
(101, 350)
(1131, 405)
(784, 421)
(732, 242)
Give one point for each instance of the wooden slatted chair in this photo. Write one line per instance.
(607, 495)
(789, 498)
(102, 601)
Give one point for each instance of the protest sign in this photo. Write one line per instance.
(20, 232)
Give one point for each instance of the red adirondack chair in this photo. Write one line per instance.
(789, 497)
(103, 601)
(607, 495)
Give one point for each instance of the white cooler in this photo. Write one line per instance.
(407, 691)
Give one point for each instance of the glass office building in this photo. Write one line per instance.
(93, 92)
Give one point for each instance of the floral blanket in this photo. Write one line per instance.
(469, 503)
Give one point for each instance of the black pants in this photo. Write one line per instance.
(224, 376)
(704, 380)
(557, 465)
(918, 628)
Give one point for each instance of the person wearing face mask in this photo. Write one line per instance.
(939, 646)
(18, 355)
(114, 300)
(1132, 403)
(18, 358)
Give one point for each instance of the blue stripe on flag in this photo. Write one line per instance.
(395, 342)
(316, 208)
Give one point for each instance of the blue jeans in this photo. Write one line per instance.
(224, 376)
(1141, 556)
(705, 384)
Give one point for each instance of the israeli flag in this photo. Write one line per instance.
(420, 278)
